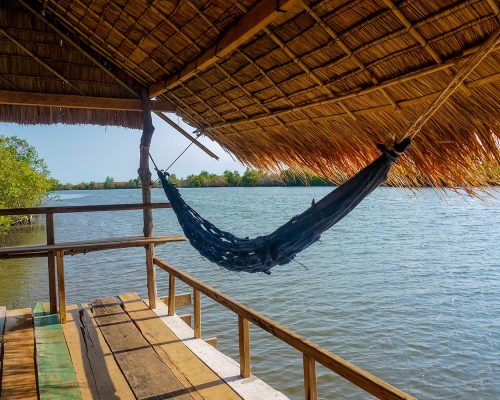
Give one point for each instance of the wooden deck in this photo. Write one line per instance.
(115, 348)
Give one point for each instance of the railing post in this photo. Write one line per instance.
(310, 382)
(51, 263)
(244, 339)
(171, 294)
(61, 287)
(197, 314)
(151, 275)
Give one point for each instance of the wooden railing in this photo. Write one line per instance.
(312, 353)
(51, 255)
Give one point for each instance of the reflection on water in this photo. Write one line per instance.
(18, 276)
(407, 286)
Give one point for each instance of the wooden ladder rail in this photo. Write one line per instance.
(312, 353)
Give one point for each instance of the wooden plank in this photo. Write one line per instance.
(244, 345)
(352, 373)
(3, 311)
(212, 341)
(200, 380)
(183, 299)
(51, 262)
(58, 100)
(78, 209)
(310, 382)
(97, 372)
(151, 275)
(197, 314)
(171, 294)
(90, 245)
(186, 318)
(145, 371)
(19, 373)
(225, 367)
(56, 376)
(261, 15)
(61, 288)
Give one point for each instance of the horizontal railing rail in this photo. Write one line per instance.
(77, 209)
(51, 253)
(312, 352)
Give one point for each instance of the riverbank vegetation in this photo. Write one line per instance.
(25, 180)
(205, 179)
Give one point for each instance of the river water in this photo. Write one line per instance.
(407, 286)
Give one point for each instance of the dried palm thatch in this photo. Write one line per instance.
(318, 86)
(35, 59)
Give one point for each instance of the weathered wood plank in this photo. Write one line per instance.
(197, 314)
(12, 97)
(183, 299)
(77, 209)
(244, 345)
(19, 373)
(186, 318)
(145, 371)
(89, 245)
(3, 311)
(225, 367)
(310, 382)
(56, 376)
(199, 379)
(97, 372)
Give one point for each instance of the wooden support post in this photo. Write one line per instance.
(171, 294)
(61, 287)
(310, 382)
(151, 274)
(197, 314)
(244, 339)
(51, 263)
(145, 175)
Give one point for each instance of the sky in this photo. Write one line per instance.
(87, 153)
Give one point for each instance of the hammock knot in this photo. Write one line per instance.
(394, 150)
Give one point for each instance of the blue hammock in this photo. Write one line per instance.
(280, 247)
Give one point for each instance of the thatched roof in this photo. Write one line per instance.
(314, 87)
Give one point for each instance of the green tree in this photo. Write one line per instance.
(250, 177)
(109, 183)
(25, 180)
(233, 178)
(174, 180)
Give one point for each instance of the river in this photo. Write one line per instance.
(407, 286)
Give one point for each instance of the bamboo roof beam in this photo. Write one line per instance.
(76, 101)
(111, 74)
(346, 49)
(40, 61)
(307, 70)
(414, 32)
(251, 23)
(360, 92)
(368, 111)
(8, 83)
(494, 7)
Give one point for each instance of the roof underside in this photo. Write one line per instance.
(314, 88)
